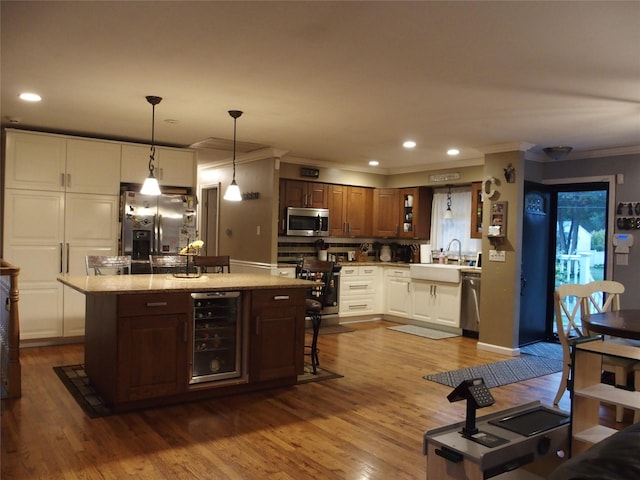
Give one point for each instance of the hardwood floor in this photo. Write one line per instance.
(367, 425)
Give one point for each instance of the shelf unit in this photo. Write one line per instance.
(588, 392)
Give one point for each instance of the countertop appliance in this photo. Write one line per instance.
(155, 225)
(470, 308)
(307, 222)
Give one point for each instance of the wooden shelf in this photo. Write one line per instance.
(611, 395)
(594, 434)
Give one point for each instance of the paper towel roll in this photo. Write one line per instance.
(425, 253)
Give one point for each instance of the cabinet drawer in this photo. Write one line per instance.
(358, 305)
(277, 298)
(357, 286)
(153, 304)
(397, 272)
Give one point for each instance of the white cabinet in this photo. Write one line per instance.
(172, 166)
(437, 302)
(49, 233)
(55, 215)
(398, 292)
(360, 290)
(37, 161)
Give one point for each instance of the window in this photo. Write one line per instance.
(459, 226)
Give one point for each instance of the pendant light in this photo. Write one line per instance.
(150, 186)
(448, 214)
(233, 190)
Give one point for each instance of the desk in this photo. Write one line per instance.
(619, 323)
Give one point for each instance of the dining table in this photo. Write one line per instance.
(623, 323)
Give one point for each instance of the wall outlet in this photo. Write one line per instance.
(497, 256)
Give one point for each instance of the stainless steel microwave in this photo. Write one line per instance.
(307, 222)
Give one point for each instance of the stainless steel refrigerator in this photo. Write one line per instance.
(156, 225)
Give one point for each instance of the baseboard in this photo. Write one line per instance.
(511, 352)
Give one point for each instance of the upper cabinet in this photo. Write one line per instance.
(37, 161)
(350, 211)
(298, 193)
(403, 212)
(386, 212)
(415, 204)
(172, 166)
(476, 210)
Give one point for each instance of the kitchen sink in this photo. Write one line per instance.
(436, 272)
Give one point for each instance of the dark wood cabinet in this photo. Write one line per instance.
(153, 339)
(476, 210)
(386, 214)
(277, 334)
(350, 211)
(301, 194)
(415, 205)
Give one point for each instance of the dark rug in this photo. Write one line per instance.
(75, 379)
(536, 361)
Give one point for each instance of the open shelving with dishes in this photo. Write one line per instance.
(588, 392)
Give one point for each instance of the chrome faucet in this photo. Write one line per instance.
(459, 249)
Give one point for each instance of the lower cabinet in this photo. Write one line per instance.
(359, 290)
(153, 339)
(138, 346)
(277, 334)
(437, 302)
(398, 292)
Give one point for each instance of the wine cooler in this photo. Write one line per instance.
(216, 336)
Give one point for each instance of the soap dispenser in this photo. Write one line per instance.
(441, 256)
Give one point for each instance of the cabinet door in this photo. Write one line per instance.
(93, 166)
(299, 193)
(415, 211)
(134, 163)
(359, 211)
(476, 210)
(34, 241)
(436, 302)
(398, 290)
(35, 161)
(152, 356)
(350, 210)
(177, 167)
(91, 228)
(385, 212)
(277, 334)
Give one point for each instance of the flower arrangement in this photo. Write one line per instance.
(192, 248)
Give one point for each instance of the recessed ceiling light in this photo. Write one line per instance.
(374, 163)
(30, 97)
(409, 144)
(453, 151)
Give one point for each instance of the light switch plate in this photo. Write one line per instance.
(497, 256)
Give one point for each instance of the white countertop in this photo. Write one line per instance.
(160, 283)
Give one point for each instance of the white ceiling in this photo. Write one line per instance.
(341, 82)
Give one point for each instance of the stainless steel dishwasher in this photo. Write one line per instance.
(470, 308)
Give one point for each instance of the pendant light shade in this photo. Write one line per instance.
(151, 186)
(233, 191)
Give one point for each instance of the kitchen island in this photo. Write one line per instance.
(140, 335)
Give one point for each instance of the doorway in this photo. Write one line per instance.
(565, 231)
(209, 223)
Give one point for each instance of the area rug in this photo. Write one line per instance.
(322, 374)
(75, 380)
(423, 332)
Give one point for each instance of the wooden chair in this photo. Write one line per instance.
(213, 264)
(167, 263)
(571, 302)
(322, 273)
(108, 264)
